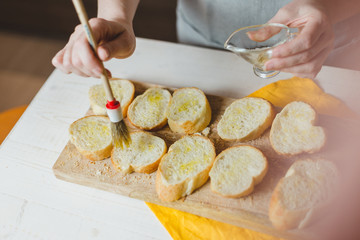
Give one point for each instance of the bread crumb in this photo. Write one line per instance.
(205, 132)
(98, 173)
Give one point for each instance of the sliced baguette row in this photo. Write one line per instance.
(187, 112)
(184, 168)
(292, 130)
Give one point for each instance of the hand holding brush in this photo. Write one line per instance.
(119, 131)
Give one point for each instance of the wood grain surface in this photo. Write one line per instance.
(249, 212)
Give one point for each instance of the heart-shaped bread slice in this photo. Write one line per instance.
(293, 130)
(142, 156)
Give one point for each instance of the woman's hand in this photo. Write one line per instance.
(305, 54)
(114, 38)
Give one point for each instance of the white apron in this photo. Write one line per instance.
(209, 22)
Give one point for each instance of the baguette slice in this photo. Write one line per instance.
(148, 111)
(123, 91)
(308, 186)
(92, 137)
(189, 111)
(293, 130)
(237, 170)
(185, 167)
(246, 119)
(142, 156)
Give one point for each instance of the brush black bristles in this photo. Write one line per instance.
(120, 134)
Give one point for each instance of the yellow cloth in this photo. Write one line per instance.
(283, 92)
(8, 120)
(182, 225)
(187, 226)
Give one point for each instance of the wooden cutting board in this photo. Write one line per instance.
(249, 212)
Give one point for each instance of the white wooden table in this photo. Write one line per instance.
(36, 205)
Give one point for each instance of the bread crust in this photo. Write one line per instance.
(172, 192)
(154, 128)
(92, 155)
(255, 179)
(190, 127)
(97, 155)
(282, 218)
(260, 129)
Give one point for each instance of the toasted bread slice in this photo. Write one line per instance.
(237, 170)
(293, 130)
(142, 156)
(307, 187)
(189, 111)
(185, 167)
(149, 110)
(92, 137)
(123, 91)
(246, 119)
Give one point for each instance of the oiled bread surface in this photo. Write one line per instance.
(246, 119)
(185, 167)
(123, 91)
(148, 111)
(189, 111)
(143, 155)
(91, 136)
(237, 170)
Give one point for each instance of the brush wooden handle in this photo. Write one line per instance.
(81, 12)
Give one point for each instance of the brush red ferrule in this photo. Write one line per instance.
(113, 110)
(112, 104)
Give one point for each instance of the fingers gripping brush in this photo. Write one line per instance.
(119, 131)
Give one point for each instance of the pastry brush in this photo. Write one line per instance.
(119, 130)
